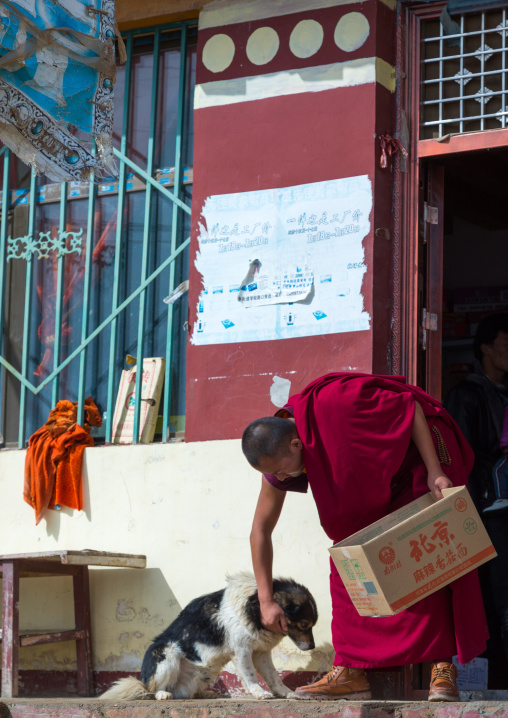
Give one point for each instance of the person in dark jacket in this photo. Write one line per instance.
(478, 404)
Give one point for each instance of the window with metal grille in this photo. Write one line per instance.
(464, 85)
(85, 267)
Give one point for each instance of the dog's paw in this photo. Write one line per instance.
(163, 696)
(207, 694)
(287, 693)
(260, 694)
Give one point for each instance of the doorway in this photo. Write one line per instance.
(463, 260)
(455, 214)
(465, 255)
(475, 254)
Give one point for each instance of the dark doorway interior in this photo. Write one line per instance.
(475, 257)
(475, 284)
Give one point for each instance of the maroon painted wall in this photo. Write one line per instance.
(281, 142)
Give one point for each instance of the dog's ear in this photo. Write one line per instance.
(286, 602)
(281, 598)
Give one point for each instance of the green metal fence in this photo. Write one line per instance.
(92, 284)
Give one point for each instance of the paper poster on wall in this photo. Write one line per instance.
(282, 263)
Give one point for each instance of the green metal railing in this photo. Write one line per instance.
(152, 189)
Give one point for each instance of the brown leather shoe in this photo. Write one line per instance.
(443, 683)
(348, 684)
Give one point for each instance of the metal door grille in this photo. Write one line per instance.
(463, 85)
(110, 252)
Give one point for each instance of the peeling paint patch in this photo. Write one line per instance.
(279, 391)
(145, 616)
(125, 611)
(155, 459)
(244, 376)
(127, 661)
(50, 661)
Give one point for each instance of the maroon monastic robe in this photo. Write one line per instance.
(361, 465)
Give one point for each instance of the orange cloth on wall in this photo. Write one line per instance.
(55, 456)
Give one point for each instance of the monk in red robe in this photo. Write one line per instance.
(366, 445)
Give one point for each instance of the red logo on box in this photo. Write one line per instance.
(387, 555)
(461, 504)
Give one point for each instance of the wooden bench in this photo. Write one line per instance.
(53, 563)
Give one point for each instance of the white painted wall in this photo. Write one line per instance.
(189, 508)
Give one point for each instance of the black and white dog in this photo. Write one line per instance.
(215, 629)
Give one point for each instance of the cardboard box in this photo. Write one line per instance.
(151, 390)
(412, 552)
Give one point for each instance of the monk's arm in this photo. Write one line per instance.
(421, 435)
(267, 514)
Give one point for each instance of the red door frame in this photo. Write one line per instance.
(420, 152)
(433, 292)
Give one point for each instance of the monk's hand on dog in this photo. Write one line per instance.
(438, 481)
(272, 617)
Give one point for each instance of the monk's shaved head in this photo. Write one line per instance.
(267, 438)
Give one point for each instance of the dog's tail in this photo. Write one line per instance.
(127, 689)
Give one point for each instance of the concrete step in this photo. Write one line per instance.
(247, 708)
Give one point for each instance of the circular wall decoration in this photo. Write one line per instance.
(306, 38)
(262, 45)
(351, 32)
(218, 53)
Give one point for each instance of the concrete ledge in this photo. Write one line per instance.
(220, 708)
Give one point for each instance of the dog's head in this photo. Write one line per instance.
(300, 610)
